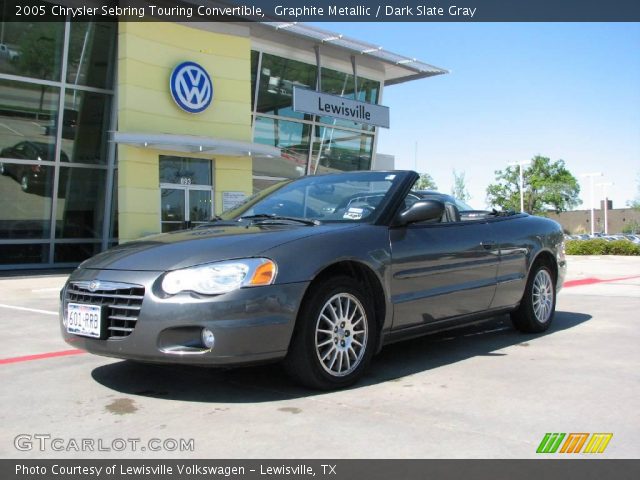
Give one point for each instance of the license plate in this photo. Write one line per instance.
(84, 319)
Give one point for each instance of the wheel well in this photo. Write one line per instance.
(546, 258)
(365, 277)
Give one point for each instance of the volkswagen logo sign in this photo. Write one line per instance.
(94, 285)
(191, 87)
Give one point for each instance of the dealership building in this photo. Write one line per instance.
(113, 131)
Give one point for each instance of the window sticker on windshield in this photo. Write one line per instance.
(389, 177)
(353, 213)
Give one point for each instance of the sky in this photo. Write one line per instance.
(566, 91)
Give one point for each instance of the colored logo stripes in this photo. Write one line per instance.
(573, 443)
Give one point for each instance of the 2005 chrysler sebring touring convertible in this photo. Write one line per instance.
(319, 272)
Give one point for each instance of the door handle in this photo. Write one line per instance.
(488, 245)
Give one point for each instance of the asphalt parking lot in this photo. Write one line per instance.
(481, 392)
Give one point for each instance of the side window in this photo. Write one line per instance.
(409, 200)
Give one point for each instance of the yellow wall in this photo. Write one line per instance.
(147, 53)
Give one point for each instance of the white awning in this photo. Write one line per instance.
(193, 144)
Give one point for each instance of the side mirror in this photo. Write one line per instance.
(421, 211)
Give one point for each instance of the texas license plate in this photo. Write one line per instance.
(84, 319)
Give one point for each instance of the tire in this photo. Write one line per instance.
(538, 304)
(3, 170)
(25, 185)
(336, 335)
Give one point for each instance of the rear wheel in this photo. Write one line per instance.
(335, 337)
(538, 304)
(24, 183)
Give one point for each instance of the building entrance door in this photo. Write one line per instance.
(184, 206)
(186, 194)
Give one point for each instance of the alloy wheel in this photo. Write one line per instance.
(542, 293)
(341, 334)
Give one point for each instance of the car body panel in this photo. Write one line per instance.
(250, 325)
(442, 271)
(431, 275)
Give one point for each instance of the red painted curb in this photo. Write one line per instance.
(39, 356)
(591, 281)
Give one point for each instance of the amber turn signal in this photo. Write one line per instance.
(264, 274)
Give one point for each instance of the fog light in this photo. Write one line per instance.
(207, 338)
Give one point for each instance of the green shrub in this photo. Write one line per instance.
(598, 246)
(622, 247)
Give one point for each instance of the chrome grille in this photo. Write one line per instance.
(121, 303)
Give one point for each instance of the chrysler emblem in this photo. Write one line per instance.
(94, 285)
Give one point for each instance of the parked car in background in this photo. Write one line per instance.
(33, 177)
(319, 273)
(8, 52)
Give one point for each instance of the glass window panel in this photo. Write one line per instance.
(27, 189)
(74, 252)
(81, 203)
(85, 127)
(91, 54)
(278, 76)
(172, 206)
(199, 205)
(185, 171)
(30, 49)
(342, 84)
(255, 57)
(293, 140)
(114, 207)
(340, 150)
(26, 111)
(25, 253)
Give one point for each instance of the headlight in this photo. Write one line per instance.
(221, 277)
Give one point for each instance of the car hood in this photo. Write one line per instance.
(185, 248)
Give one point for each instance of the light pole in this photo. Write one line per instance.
(591, 177)
(520, 165)
(604, 186)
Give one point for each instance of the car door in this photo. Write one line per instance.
(442, 270)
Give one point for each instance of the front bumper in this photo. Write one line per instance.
(562, 273)
(250, 325)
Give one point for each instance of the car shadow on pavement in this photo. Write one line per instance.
(267, 383)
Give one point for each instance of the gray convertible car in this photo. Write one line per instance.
(319, 273)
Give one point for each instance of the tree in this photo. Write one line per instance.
(635, 203)
(38, 53)
(459, 189)
(547, 186)
(425, 182)
(632, 227)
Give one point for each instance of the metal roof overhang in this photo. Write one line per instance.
(194, 144)
(398, 68)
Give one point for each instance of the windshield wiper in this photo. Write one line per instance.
(218, 221)
(273, 216)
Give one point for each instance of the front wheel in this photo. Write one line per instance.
(24, 183)
(335, 337)
(538, 304)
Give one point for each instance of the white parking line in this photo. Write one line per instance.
(49, 289)
(11, 129)
(47, 312)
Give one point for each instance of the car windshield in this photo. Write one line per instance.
(347, 197)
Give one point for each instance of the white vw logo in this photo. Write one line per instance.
(191, 87)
